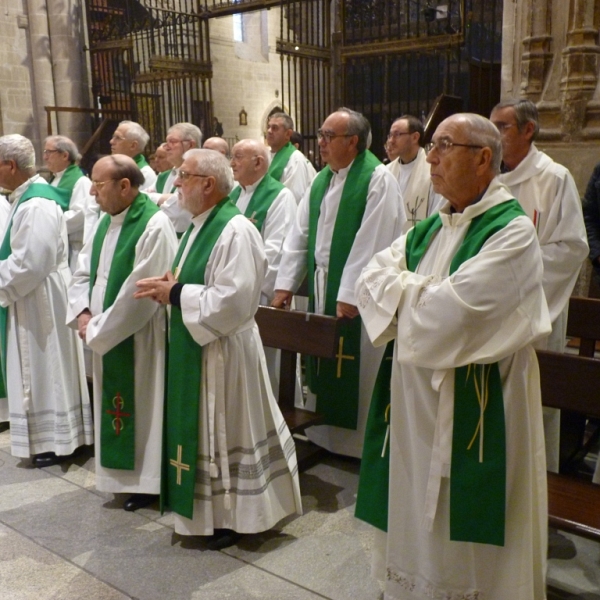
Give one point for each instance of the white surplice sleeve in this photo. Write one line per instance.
(234, 277)
(489, 308)
(298, 174)
(78, 206)
(376, 232)
(149, 178)
(563, 241)
(278, 222)
(292, 268)
(155, 252)
(37, 245)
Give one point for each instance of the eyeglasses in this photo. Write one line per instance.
(119, 138)
(444, 146)
(184, 175)
(50, 151)
(396, 134)
(100, 184)
(502, 127)
(330, 135)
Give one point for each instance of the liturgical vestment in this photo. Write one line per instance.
(489, 310)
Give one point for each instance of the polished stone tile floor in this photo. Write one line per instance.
(60, 539)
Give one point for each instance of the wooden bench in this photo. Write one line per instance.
(296, 332)
(572, 383)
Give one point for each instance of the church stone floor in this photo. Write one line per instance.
(60, 539)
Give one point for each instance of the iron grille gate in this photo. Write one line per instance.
(151, 59)
(399, 55)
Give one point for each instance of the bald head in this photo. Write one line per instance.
(218, 144)
(249, 161)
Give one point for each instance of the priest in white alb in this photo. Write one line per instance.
(229, 462)
(134, 239)
(349, 212)
(41, 359)
(461, 294)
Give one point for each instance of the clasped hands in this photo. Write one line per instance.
(156, 288)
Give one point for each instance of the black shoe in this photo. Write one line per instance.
(47, 459)
(223, 538)
(139, 501)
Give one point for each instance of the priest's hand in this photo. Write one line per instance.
(162, 199)
(344, 310)
(156, 288)
(83, 318)
(282, 299)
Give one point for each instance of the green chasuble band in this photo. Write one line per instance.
(184, 373)
(161, 180)
(477, 489)
(35, 190)
(336, 381)
(262, 199)
(117, 421)
(140, 161)
(69, 178)
(280, 161)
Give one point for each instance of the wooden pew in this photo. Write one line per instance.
(572, 383)
(296, 332)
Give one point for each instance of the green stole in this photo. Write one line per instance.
(69, 178)
(161, 180)
(472, 519)
(117, 421)
(262, 199)
(35, 190)
(184, 373)
(140, 161)
(336, 381)
(280, 161)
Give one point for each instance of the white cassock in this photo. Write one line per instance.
(298, 174)
(276, 225)
(261, 454)
(549, 196)
(146, 321)
(47, 391)
(491, 309)
(79, 206)
(414, 179)
(376, 232)
(180, 217)
(149, 178)
(4, 212)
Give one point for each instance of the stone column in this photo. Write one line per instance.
(65, 24)
(40, 52)
(579, 75)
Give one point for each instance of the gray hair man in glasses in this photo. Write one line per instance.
(548, 194)
(405, 141)
(41, 359)
(181, 137)
(231, 460)
(134, 239)
(461, 297)
(349, 213)
(131, 139)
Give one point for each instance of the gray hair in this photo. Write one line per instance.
(136, 133)
(188, 132)
(18, 148)
(212, 163)
(288, 122)
(359, 126)
(64, 144)
(525, 112)
(483, 132)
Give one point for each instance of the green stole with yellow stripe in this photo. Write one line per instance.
(117, 421)
(336, 381)
(184, 373)
(263, 197)
(35, 190)
(280, 161)
(478, 469)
